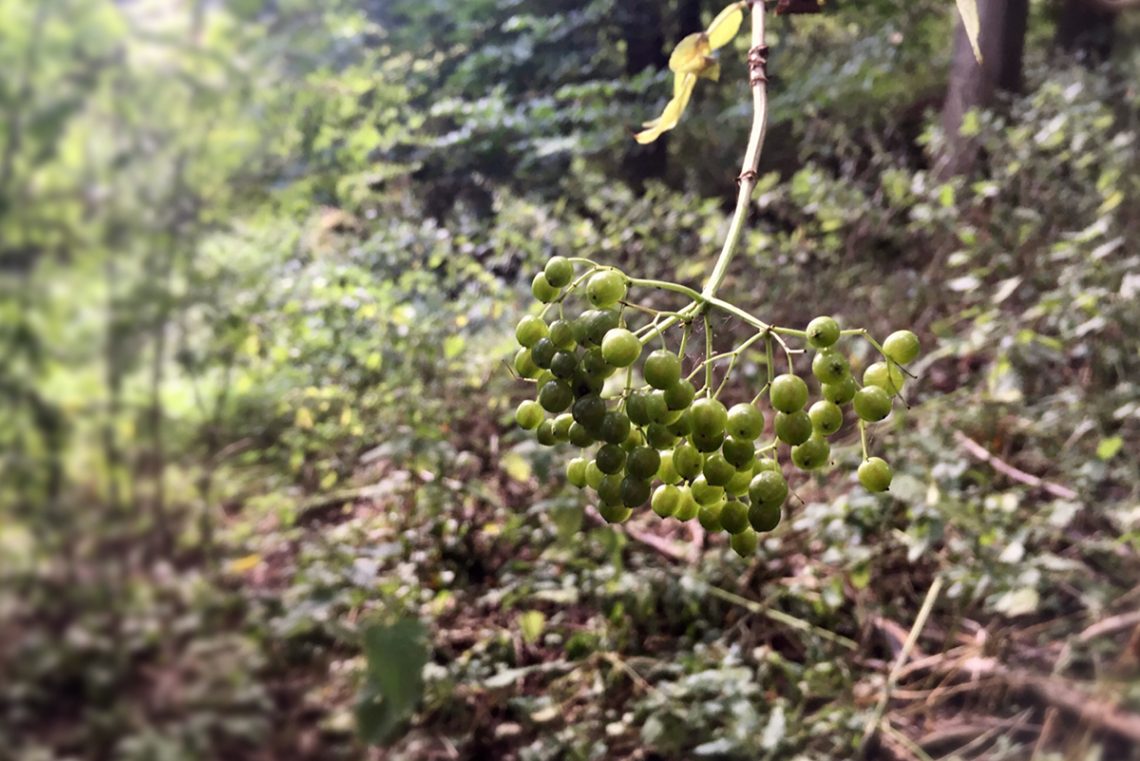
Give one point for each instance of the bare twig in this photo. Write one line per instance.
(979, 452)
(1109, 625)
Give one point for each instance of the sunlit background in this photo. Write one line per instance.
(261, 495)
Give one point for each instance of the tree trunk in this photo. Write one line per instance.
(645, 49)
(972, 84)
(1085, 30)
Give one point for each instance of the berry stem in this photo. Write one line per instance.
(708, 353)
(863, 437)
(748, 171)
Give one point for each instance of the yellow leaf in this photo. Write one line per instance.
(712, 71)
(690, 53)
(968, 10)
(243, 564)
(532, 623)
(725, 26)
(304, 419)
(671, 115)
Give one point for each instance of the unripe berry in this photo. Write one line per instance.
(529, 415)
(662, 369)
(812, 454)
(734, 516)
(841, 392)
(826, 417)
(614, 513)
(768, 487)
(718, 470)
(558, 271)
(620, 347)
(744, 544)
(709, 516)
(829, 366)
(634, 491)
(680, 395)
(610, 459)
(530, 329)
(542, 289)
(745, 421)
(886, 376)
(872, 403)
(875, 474)
(764, 516)
(822, 332)
(576, 472)
(788, 393)
(605, 288)
(793, 428)
(666, 499)
(901, 346)
(708, 417)
(555, 396)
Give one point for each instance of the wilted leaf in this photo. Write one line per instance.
(968, 10)
(690, 53)
(671, 115)
(725, 26)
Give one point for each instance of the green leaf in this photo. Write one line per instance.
(968, 10)
(532, 624)
(1107, 448)
(396, 656)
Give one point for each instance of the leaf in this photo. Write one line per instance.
(725, 26)
(303, 419)
(968, 10)
(396, 657)
(1018, 602)
(246, 563)
(1107, 448)
(532, 623)
(516, 466)
(671, 115)
(690, 54)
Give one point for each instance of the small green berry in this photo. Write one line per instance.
(829, 366)
(542, 290)
(841, 392)
(704, 492)
(764, 516)
(768, 487)
(734, 516)
(822, 332)
(529, 330)
(529, 415)
(709, 516)
(662, 369)
(614, 513)
(605, 288)
(875, 474)
(665, 501)
(643, 462)
(901, 346)
(718, 471)
(680, 395)
(576, 472)
(745, 421)
(872, 403)
(744, 544)
(634, 491)
(826, 417)
(708, 417)
(788, 393)
(687, 461)
(620, 347)
(558, 271)
(813, 454)
(793, 428)
(610, 459)
(886, 376)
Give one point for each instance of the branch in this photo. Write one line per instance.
(1001, 466)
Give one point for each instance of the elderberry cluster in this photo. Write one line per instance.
(707, 460)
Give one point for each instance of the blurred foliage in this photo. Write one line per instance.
(259, 264)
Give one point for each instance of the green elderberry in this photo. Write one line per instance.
(901, 346)
(562, 335)
(875, 474)
(558, 271)
(765, 463)
(707, 442)
(666, 473)
(576, 472)
(580, 436)
(620, 347)
(637, 407)
(788, 393)
(524, 364)
(704, 492)
(594, 475)
(738, 485)
(545, 434)
(601, 321)
(529, 330)
(822, 332)
(555, 396)
(826, 417)
(708, 417)
(634, 491)
(665, 501)
(614, 428)
(680, 395)
(614, 513)
(589, 411)
(564, 365)
(872, 403)
(718, 470)
(688, 507)
(829, 366)
(764, 516)
(542, 289)
(562, 425)
(739, 452)
(841, 392)
(610, 459)
(594, 365)
(687, 461)
(812, 454)
(744, 544)
(734, 516)
(794, 427)
(634, 439)
(543, 353)
(609, 490)
(745, 421)
(662, 369)
(886, 376)
(709, 516)
(768, 487)
(682, 426)
(605, 288)
(643, 462)
(659, 409)
(529, 415)
(659, 436)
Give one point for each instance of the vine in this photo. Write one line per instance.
(655, 437)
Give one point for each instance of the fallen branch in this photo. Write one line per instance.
(1001, 466)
